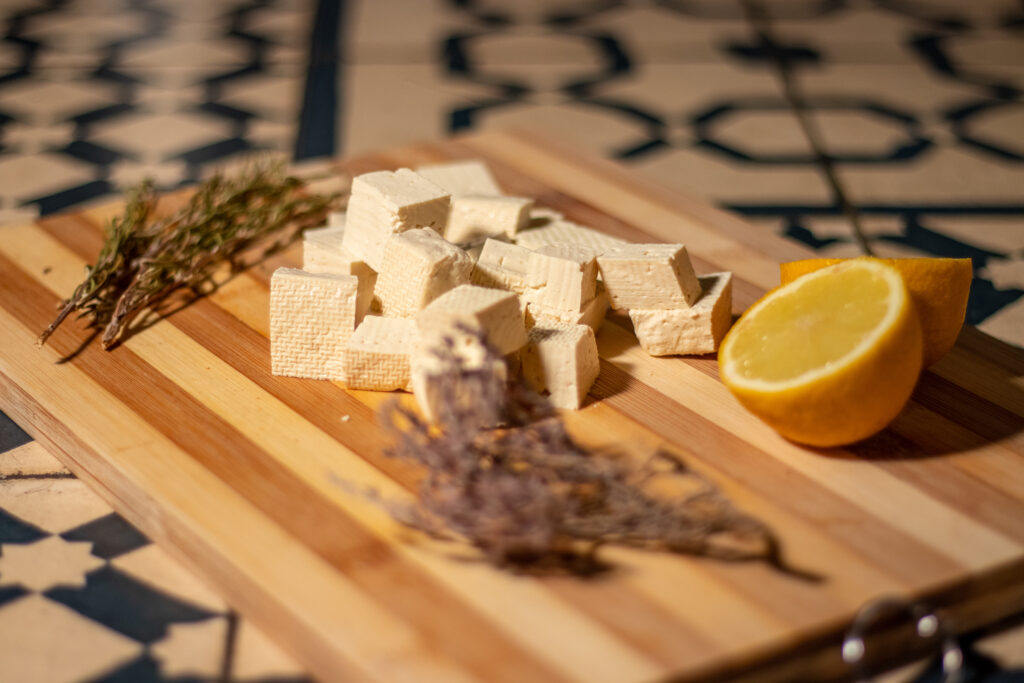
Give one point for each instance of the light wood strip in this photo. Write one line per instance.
(879, 494)
(201, 514)
(322, 463)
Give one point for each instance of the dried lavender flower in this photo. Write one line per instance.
(531, 499)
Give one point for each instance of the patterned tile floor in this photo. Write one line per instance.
(914, 115)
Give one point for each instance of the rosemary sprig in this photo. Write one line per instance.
(144, 260)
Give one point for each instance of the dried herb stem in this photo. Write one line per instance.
(144, 260)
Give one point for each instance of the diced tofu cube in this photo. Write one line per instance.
(562, 360)
(695, 330)
(322, 253)
(592, 314)
(384, 203)
(377, 356)
(418, 266)
(457, 376)
(502, 266)
(336, 219)
(565, 232)
(561, 277)
(649, 276)
(312, 317)
(493, 312)
(473, 218)
(462, 178)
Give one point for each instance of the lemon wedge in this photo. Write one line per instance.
(830, 358)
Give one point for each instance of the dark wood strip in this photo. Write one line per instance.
(988, 420)
(273, 488)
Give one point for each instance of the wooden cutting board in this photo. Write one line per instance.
(239, 473)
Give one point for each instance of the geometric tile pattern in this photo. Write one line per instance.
(86, 597)
(94, 96)
(919, 107)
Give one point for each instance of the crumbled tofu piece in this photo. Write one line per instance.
(561, 277)
(377, 356)
(561, 231)
(336, 219)
(462, 178)
(470, 388)
(502, 266)
(592, 314)
(649, 276)
(312, 316)
(384, 203)
(474, 218)
(562, 360)
(322, 253)
(695, 330)
(493, 312)
(418, 266)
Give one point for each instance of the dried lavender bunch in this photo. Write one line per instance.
(531, 499)
(144, 260)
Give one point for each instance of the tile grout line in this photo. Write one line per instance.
(760, 21)
(318, 135)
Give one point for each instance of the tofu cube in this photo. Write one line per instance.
(312, 317)
(502, 266)
(457, 376)
(322, 253)
(473, 218)
(336, 219)
(493, 312)
(419, 265)
(544, 215)
(561, 277)
(649, 276)
(462, 178)
(377, 356)
(561, 360)
(695, 330)
(559, 231)
(592, 314)
(384, 203)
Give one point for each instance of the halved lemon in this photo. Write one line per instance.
(830, 358)
(938, 286)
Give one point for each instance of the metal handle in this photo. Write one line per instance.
(928, 624)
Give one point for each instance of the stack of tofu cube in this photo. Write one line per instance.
(430, 262)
